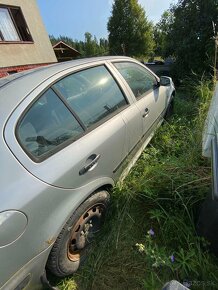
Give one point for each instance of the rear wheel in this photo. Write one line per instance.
(207, 225)
(73, 243)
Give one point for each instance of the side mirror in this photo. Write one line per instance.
(165, 81)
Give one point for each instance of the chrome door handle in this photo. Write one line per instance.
(146, 112)
(90, 165)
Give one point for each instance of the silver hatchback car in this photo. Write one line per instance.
(68, 132)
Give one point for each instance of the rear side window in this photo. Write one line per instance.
(92, 94)
(138, 78)
(46, 125)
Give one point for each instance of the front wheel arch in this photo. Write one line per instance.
(170, 108)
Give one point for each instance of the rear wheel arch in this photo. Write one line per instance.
(68, 250)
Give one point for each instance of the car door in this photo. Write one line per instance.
(73, 133)
(150, 97)
(131, 117)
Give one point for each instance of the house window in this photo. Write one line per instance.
(13, 26)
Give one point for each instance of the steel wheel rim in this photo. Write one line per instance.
(84, 231)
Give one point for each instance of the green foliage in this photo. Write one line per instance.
(155, 256)
(68, 284)
(89, 47)
(190, 36)
(130, 33)
(161, 31)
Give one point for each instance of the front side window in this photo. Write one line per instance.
(46, 125)
(12, 25)
(138, 78)
(92, 94)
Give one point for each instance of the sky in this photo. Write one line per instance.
(73, 18)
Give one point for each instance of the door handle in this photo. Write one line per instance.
(90, 165)
(146, 112)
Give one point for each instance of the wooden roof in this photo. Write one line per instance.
(65, 52)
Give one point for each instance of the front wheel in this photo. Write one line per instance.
(169, 110)
(72, 244)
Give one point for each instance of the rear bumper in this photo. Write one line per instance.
(29, 276)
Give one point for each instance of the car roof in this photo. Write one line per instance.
(41, 73)
(14, 88)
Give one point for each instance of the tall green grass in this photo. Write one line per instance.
(149, 237)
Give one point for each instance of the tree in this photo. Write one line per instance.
(190, 37)
(104, 48)
(161, 31)
(89, 47)
(130, 33)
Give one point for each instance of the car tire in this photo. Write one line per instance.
(73, 243)
(207, 225)
(169, 110)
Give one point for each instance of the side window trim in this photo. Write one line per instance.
(58, 93)
(121, 82)
(107, 66)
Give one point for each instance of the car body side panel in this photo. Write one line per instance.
(48, 193)
(134, 131)
(147, 103)
(62, 169)
(211, 125)
(30, 273)
(155, 101)
(214, 167)
(131, 116)
(152, 103)
(135, 153)
(107, 140)
(47, 209)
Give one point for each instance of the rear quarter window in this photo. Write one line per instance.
(46, 125)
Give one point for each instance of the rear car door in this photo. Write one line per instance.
(73, 132)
